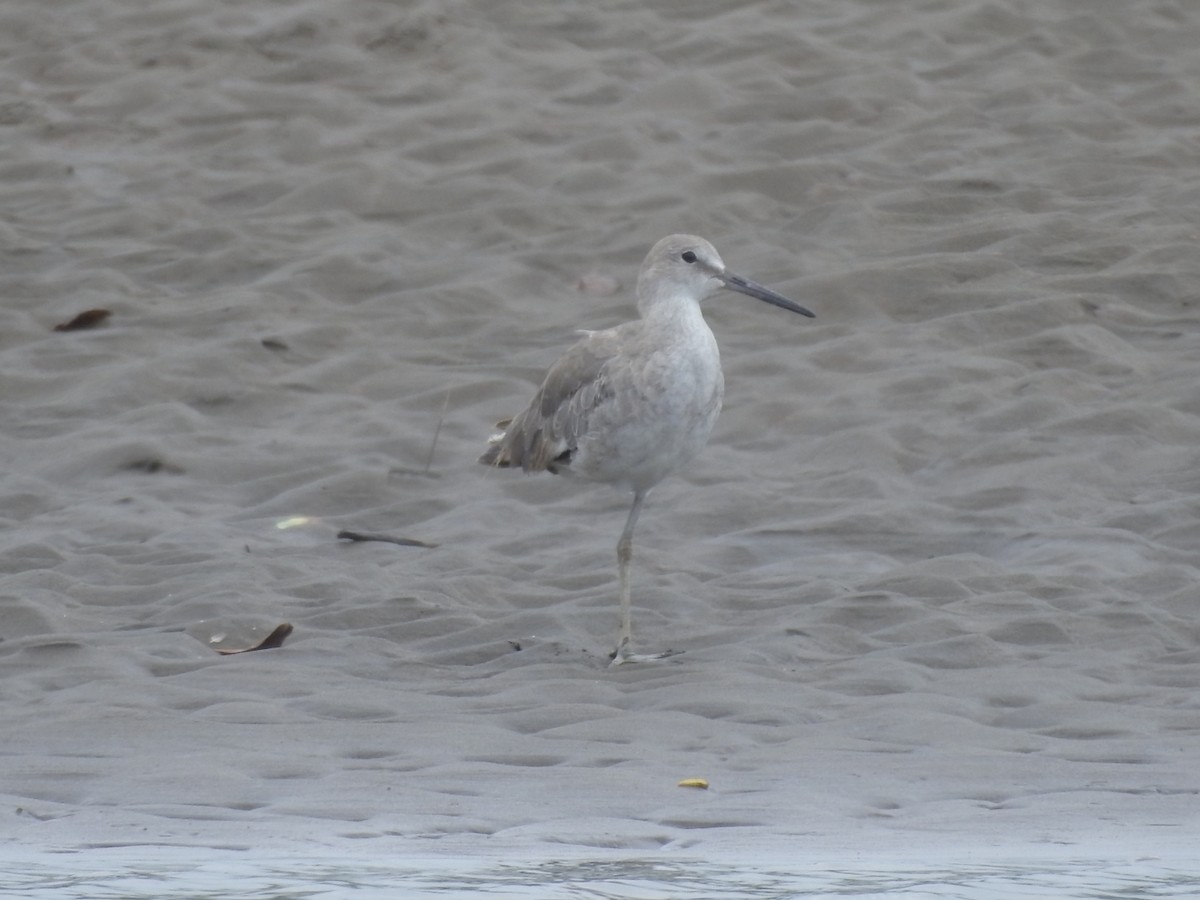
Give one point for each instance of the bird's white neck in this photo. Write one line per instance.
(670, 306)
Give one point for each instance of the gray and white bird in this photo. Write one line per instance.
(629, 405)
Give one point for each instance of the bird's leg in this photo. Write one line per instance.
(623, 653)
(624, 558)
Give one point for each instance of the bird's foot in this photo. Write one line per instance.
(624, 654)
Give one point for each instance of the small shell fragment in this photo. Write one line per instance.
(272, 641)
(294, 522)
(701, 783)
(597, 283)
(89, 318)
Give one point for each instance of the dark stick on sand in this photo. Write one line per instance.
(385, 538)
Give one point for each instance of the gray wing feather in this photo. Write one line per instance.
(558, 416)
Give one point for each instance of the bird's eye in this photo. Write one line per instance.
(688, 256)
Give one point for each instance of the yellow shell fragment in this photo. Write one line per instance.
(294, 522)
(695, 782)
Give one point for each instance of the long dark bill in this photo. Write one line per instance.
(756, 290)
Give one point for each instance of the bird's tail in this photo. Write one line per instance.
(496, 453)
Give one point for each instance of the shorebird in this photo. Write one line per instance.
(629, 405)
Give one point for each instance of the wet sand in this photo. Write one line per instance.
(935, 575)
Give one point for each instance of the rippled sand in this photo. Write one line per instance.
(936, 575)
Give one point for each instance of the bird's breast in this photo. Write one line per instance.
(663, 407)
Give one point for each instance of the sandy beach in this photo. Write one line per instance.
(936, 577)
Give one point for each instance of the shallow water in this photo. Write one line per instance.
(295, 879)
